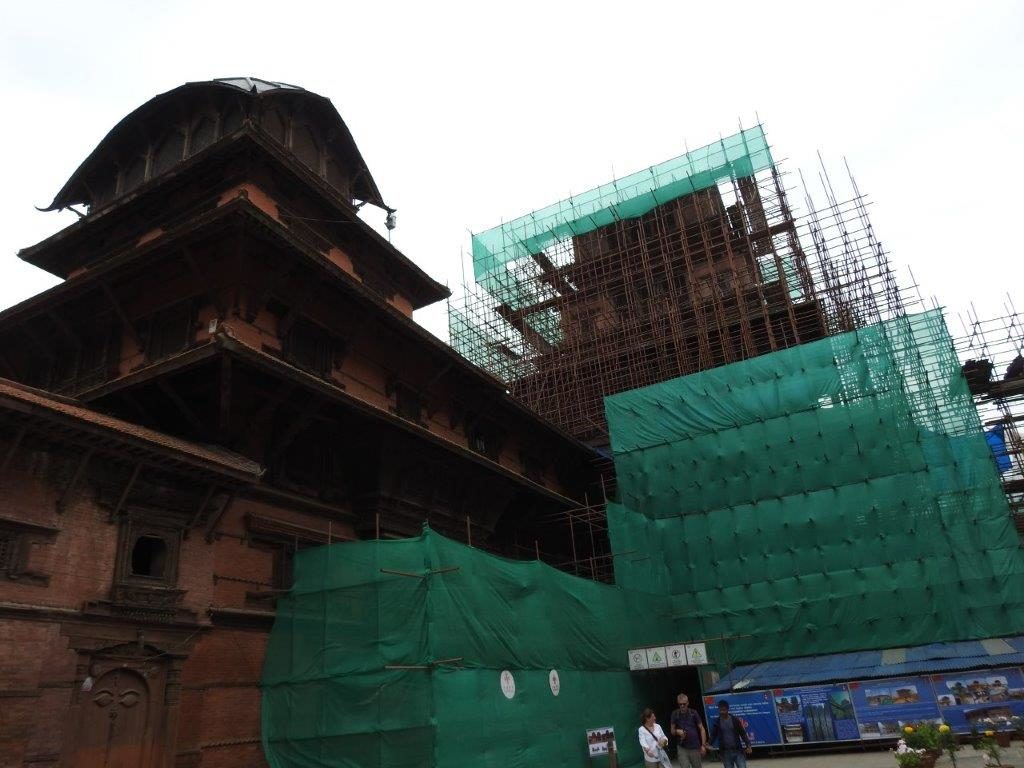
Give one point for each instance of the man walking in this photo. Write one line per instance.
(729, 735)
(687, 726)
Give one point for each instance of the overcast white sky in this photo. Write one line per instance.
(468, 114)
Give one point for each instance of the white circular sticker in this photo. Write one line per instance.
(554, 682)
(508, 684)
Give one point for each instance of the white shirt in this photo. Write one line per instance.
(651, 745)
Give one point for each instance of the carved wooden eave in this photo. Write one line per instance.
(493, 393)
(338, 395)
(129, 602)
(249, 147)
(69, 422)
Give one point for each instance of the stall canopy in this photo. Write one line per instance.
(891, 662)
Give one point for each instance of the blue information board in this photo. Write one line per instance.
(756, 710)
(985, 699)
(884, 707)
(816, 713)
(876, 709)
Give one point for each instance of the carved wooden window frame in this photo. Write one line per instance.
(484, 437)
(14, 561)
(133, 529)
(183, 312)
(409, 402)
(283, 540)
(304, 333)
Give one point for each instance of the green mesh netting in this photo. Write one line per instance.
(338, 690)
(742, 154)
(835, 496)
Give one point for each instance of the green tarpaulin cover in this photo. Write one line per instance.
(390, 654)
(834, 496)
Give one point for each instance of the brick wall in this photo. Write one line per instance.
(35, 684)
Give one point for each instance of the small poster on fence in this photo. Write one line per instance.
(599, 740)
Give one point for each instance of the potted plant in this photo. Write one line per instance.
(928, 739)
(990, 746)
(908, 757)
(1001, 730)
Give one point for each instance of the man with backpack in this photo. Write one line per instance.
(731, 738)
(687, 726)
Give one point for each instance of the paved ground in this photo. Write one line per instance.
(966, 758)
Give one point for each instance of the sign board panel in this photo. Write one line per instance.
(656, 658)
(985, 699)
(554, 683)
(756, 710)
(676, 655)
(508, 684)
(598, 740)
(877, 709)
(816, 713)
(884, 706)
(696, 654)
(637, 659)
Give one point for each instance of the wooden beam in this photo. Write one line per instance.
(65, 497)
(200, 509)
(270, 405)
(211, 293)
(224, 418)
(520, 324)
(264, 492)
(239, 269)
(276, 281)
(63, 327)
(211, 528)
(552, 275)
(176, 363)
(123, 316)
(127, 490)
(294, 430)
(37, 343)
(190, 416)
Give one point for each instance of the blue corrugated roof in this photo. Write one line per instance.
(862, 665)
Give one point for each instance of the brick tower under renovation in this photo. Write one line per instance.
(693, 263)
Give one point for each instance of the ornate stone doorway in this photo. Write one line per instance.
(120, 714)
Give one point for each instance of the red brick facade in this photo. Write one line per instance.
(248, 382)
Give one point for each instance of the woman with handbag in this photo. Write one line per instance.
(653, 741)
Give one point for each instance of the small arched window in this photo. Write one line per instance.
(149, 557)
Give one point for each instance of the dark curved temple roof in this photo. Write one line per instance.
(151, 117)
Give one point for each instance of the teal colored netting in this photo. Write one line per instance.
(498, 249)
(330, 698)
(834, 496)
